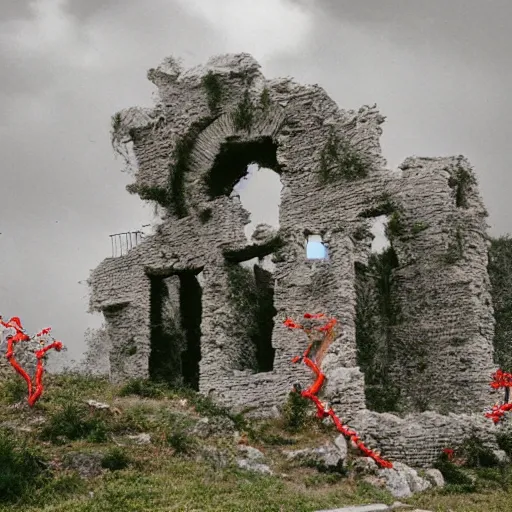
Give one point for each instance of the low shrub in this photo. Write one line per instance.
(72, 422)
(115, 459)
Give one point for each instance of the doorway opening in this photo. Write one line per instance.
(175, 316)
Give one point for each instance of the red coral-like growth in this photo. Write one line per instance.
(323, 410)
(34, 392)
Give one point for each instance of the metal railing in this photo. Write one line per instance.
(123, 242)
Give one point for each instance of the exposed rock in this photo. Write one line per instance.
(87, 465)
(97, 405)
(218, 458)
(251, 453)
(327, 457)
(140, 438)
(251, 465)
(214, 426)
(364, 466)
(502, 456)
(435, 477)
(403, 481)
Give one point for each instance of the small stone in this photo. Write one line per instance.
(141, 438)
(250, 452)
(435, 477)
(502, 456)
(250, 465)
(97, 405)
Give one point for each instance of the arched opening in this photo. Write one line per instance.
(260, 194)
(232, 161)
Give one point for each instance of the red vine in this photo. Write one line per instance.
(20, 336)
(319, 347)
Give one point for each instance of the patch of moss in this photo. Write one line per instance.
(176, 201)
(205, 215)
(339, 160)
(461, 180)
(395, 226)
(500, 273)
(265, 99)
(148, 193)
(213, 87)
(243, 116)
(254, 251)
(418, 227)
(455, 250)
(384, 205)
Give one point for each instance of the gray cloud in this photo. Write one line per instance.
(439, 72)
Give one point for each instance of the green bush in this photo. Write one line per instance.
(144, 388)
(181, 442)
(72, 422)
(115, 459)
(295, 412)
(13, 390)
(21, 469)
(452, 474)
(504, 441)
(477, 455)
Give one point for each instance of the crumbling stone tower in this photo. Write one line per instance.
(416, 321)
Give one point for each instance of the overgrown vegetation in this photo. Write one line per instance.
(147, 193)
(265, 99)
(376, 314)
(243, 116)
(254, 251)
(418, 227)
(13, 390)
(115, 459)
(71, 422)
(212, 84)
(295, 412)
(251, 295)
(176, 201)
(205, 215)
(137, 477)
(22, 470)
(500, 274)
(455, 250)
(461, 180)
(339, 160)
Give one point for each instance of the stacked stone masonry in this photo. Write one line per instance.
(441, 342)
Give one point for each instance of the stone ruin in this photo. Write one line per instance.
(198, 303)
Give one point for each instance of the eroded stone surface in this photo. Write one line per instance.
(440, 343)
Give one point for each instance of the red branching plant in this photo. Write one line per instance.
(35, 390)
(500, 380)
(317, 349)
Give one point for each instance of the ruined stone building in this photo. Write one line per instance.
(412, 360)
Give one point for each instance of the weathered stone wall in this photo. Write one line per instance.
(209, 124)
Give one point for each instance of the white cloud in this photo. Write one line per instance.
(263, 28)
(50, 32)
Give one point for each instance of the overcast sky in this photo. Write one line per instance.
(439, 70)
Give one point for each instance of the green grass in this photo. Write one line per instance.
(167, 475)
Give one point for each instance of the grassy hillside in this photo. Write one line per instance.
(67, 455)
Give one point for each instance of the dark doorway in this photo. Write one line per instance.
(252, 299)
(175, 315)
